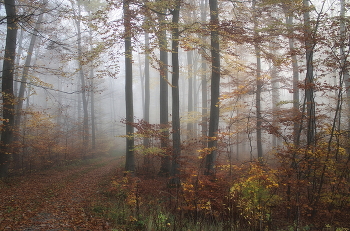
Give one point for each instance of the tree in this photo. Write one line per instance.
(215, 87)
(81, 61)
(163, 89)
(130, 159)
(7, 87)
(204, 123)
(309, 79)
(147, 92)
(343, 56)
(190, 77)
(258, 84)
(295, 68)
(23, 82)
(174, 171)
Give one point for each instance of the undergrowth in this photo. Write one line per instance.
(251, 199)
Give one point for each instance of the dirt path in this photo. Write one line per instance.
(58, 199)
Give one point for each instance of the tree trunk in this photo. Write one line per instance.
(215, 88)
(309, 79)
(147, 95)
(92, 89)
(163, 94)
(258, 86)
(276, 140)
(174, 171)
(18, 58)
(190, 94)
(130, 158)
(7, 87)
(83, 86)
(296, 127)
(344, 65)
(23, 83)
(93, 124)
(204, 124)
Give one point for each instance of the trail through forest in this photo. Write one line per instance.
(62, 198)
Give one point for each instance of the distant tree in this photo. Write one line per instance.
(82, 73)
(258, 83)
(147, 92)
(295, 67)
(204, 123)
(190, 77)
(215, 87)
(7, 87)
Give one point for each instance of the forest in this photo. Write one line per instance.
(175, 115)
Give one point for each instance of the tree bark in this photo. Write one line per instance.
(147, 96)
(23, 83)
(258, 84)
(275, 84)
(309, 79)
(295, 67)
(130, 158)
(204, 124)
(215, 88)
(7, 87)
(147, 82)
(83, 86)
(163, 94)
(174, 171)
(190, 131)
(343, 61)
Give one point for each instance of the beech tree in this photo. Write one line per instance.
(163, 86)
(130, 159)
(258, 83)
(309, 79)
(215, 87)
(7, 87)
(204, 92)
(174, 171)
(23, 81)
(82, 73)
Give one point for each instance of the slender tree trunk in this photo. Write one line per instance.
(309, 79)
(7, 87)
(195, 91)
(130, 158)
(93, 124)
(18, 58)
(296, 110)
(204, 4)
(83, 85)
(92, 90)
(344, 65)
(163, 96)
(23, 85)
(215, 88)
(147, 81)
(295, 67)
(147, 96)
(175, 96)
(276, 141)
(190, 93)
(258, 87)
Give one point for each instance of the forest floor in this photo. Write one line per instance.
(61, 198)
